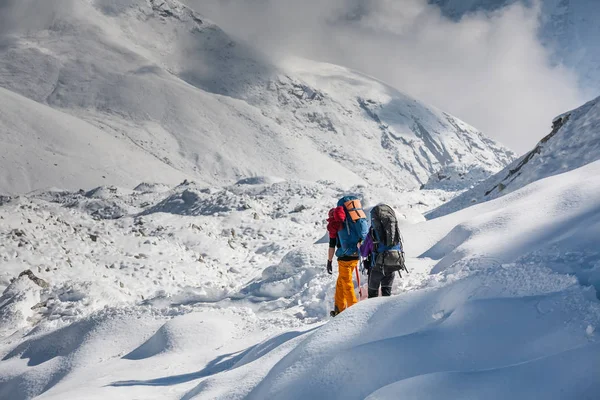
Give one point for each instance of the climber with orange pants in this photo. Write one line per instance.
(347, 227)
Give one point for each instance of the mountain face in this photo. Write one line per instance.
(569, 28)
(116, 92)
(573, 142)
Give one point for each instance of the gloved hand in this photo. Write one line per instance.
(329, 267)
(365, 271)
(367, 263)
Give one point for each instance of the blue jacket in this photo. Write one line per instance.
(349, 237)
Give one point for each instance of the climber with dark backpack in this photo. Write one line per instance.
(347, 226)
(383, 250)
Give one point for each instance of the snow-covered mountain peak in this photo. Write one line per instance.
(155, 80)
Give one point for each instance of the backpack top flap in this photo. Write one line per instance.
(385, 226)
(354, 210)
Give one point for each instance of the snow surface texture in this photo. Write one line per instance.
(169, 247)
(123, 83)
(219, 293)
(122, 262)
(574, 142)
(495, 321)
(568, 28)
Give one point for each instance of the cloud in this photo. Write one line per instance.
(488, 69)
(18, 16)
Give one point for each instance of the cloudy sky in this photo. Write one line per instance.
(488, 69)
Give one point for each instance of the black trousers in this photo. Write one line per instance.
(377, 279)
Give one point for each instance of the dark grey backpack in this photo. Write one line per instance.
(388, 246)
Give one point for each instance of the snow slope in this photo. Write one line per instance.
(454, 342)
(205, 292)
(553, 222)
(573, 142)
(42, 146)
(158, 79)
(568, 28)
(502, 316)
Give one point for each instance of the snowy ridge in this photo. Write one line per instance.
(168, 86)
(413, 140)
(573, 142)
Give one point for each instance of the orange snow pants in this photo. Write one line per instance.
(344, 288)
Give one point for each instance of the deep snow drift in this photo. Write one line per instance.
(163, 84)
(573, 142)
